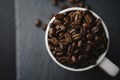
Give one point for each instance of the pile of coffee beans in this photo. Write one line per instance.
(77, 38)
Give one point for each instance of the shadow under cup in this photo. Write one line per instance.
(101, 57)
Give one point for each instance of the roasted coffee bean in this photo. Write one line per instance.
(71, 1)
(51, 31)
(62, 27)
(54, 41)
(61, 46)
(98, 22)
(59, 54)
(38, 22)
(88, 47)
(74, 59)
(44, 26)
(88, 18)
(51, 16)
(89, 35)
(76, 36)
(75, 24)
(91, 43)
(81, 4)
(79, 43)
(63, 6)
(55, 2)
(59, 16)
(95, 29)
(87, 6)
(57, 22)
(57, 49)
(64, 42)
(77, 39)
(76, 51)
(97, 38)
(86, 25)
(68, 37)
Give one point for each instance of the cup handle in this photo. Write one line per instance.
(109, 67)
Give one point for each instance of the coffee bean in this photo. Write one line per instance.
(62, 27)
(73, 59)
(63, 6)
(51, 16)
(97, 38)
(87, 6)
(54, 41)
(89, 35)
(68, 37)
(59, 54)
(75, 24)
(95, 29)
(79, 43)
(44, 26)
(59, 16)
(76, 36)
(55, 2)
(91, 43)
(88, 48)
(76, 51)
(71, 1)
(81, 4)
(86, 25)
(38, 22)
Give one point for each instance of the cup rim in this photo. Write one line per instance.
(101, 57)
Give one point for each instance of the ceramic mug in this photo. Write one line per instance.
(103, 62)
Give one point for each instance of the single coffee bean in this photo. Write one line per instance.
(87, 6)
(59, 54)
(95, 29)
(76, 36)
(38, 22)
(71, 1)
(68, 37)
(88, 48)
(62, 27)
(54, 41)
(91, 43)
(51, 16)
(81, 4)
(79, 43)
(44, 26)
(63, 6)
(59, 16)
(89, 35)
(73, 59)
(75, 24)
(55, 2)
(97, 38)
(76, 51)
(86, 25)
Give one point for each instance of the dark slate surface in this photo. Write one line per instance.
(33, 61)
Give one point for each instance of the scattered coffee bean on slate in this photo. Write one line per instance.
(63, 6)
(55, 2)
(38, 22)
(77, 38)
(44, 26)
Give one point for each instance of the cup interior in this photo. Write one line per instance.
(101, 57)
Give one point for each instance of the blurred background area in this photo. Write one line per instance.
(7, 40)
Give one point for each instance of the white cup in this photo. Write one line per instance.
(104, 63)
